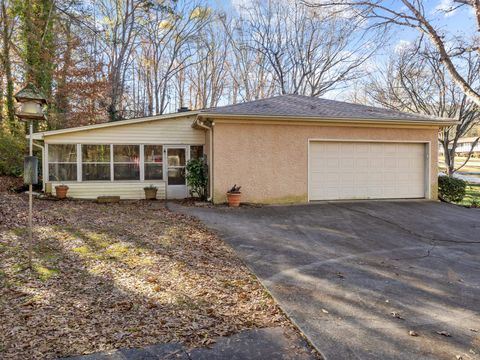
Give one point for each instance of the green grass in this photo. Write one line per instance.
(472, 194)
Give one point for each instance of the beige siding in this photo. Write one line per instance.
(126, 190)
(164, 131)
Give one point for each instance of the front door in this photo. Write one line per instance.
(175, 172)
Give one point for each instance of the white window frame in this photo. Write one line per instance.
(150, 162)
(48, 162)
(112, 154)
(95, 162)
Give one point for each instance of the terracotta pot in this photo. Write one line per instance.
(233, 199)
(61, 191)
(150, 194)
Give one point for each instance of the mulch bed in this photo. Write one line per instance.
(106, 276)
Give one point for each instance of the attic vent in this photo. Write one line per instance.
(183, 109)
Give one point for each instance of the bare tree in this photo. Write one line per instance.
(309, 52)
(207, 78)
(120, 31)
(7, 26)
(412, 14)
(416, 80)
(249, 72)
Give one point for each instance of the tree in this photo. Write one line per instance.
(308, 52)
(416, 80)
(7, 26)
(412, 14)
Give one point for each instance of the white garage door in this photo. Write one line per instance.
(363, 170)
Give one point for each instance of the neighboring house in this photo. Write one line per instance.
(285, 149)
(464, 145)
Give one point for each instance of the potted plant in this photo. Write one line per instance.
(233, 196)
(61, 191)
(150, 192)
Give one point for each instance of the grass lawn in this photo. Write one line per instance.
(118, 275)
(473, 193)
(473, 164)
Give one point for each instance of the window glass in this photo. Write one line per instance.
(196, 151)
(153, 153)
(153, 162)
(98, 172)
(95, 153)
(126, 153)
(96, 162)
(62, 172)
(62, 153)
(62, 162)
(126, 164)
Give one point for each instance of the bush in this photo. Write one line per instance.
(451, 189)
(197, 177)
(12, 151)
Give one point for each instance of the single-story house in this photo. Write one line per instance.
(465, 145)
(284, 149)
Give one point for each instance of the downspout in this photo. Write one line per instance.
(44, 162)
(210, 154)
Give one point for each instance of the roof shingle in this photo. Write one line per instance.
(306, 106)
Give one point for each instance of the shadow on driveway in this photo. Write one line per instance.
(357, 277)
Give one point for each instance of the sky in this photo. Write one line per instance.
(460, 22)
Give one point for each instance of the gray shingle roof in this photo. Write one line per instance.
(306, 106)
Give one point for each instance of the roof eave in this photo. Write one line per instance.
(442, 123)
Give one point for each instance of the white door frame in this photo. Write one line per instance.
(175, 190)
(427, 157)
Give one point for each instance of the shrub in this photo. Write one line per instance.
(197, 177)
(12, 151)
(451, 189)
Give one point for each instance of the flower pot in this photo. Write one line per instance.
(150, 194)
(61, 191)
(233, 199)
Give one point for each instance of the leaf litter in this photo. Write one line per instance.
(106, 276)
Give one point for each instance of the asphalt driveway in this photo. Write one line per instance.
(358, 277)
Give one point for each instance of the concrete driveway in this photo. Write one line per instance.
(357, 277)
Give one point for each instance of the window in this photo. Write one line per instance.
(196, 151)
(126, 162)
(62, 162)
(95, 162)
(153, 158)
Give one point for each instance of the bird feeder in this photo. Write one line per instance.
(31, 103)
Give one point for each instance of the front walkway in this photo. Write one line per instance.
(257, 344)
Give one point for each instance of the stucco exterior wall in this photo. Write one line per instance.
(270, 161)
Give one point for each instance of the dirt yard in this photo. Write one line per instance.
(106, 276)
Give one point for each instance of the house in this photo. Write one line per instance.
(285, 149)
(464, 146)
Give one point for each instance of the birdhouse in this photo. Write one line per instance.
(31, 102)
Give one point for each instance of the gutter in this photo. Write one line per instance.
(209, 129)
(44, 171)
(253, 117)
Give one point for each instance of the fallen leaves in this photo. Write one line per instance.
(120, 275)
(412, 333)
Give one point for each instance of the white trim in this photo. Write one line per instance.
(47, 175)
(112, 169)
(142, 163)
(427, 158)
(79, 163)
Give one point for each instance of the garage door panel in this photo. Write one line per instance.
(350, 170)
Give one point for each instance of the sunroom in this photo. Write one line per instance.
(120, 159)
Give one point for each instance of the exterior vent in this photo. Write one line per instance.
(183, 109)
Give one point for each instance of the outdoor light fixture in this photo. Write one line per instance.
(31, 103)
